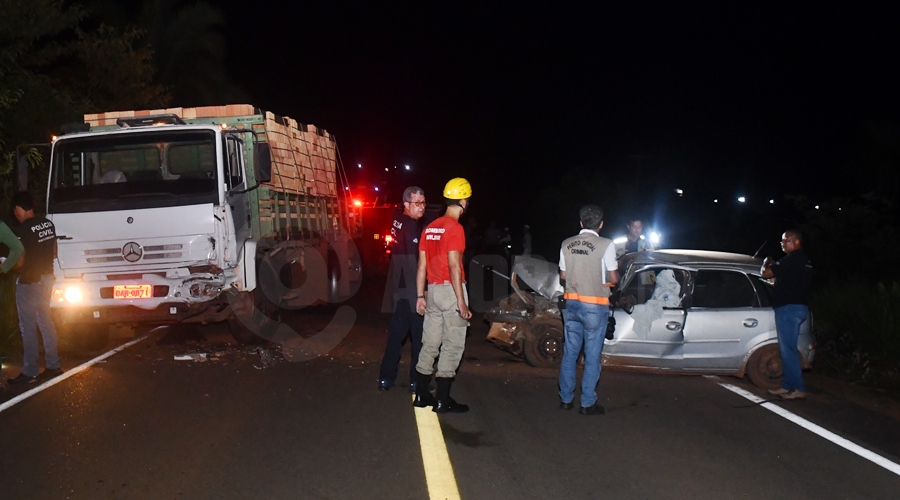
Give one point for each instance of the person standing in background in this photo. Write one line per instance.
(793, 278)
(405, 320)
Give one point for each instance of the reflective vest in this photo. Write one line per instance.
(585, 272)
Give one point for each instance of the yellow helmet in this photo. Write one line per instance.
(458, 189)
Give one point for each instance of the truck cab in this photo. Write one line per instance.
(162, 220)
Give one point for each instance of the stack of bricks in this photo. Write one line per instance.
(303, 161)
(301, 155)
(110, 117)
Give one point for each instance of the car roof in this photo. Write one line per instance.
(696, 258)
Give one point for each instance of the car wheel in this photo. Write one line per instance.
(544, 345)
(764, 367)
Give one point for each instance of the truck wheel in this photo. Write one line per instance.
(544, 344)
(764, 367)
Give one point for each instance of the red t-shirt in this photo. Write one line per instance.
(442, 236)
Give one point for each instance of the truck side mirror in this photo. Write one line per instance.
(262, 162)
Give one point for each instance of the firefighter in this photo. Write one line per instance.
(446, 307)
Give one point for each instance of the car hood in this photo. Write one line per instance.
(540, 275)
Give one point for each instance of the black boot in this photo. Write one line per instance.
(446, 404)
(423, 397)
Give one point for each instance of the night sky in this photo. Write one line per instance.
(761, 99)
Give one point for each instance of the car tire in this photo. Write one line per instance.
(764, 367)
(544, 344)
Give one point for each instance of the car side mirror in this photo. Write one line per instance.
(262, 155)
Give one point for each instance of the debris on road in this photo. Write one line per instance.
(194, 356)
(266, 359)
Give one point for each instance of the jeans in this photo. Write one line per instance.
(787, 322)
(404, 320)
(33, 306)
(585, 326)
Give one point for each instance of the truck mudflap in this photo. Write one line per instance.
(165, 313)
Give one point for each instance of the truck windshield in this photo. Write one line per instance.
(129, 171)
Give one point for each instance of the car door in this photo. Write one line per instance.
(724, 315)
(658, 345)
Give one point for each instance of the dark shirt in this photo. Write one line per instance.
(632, 246)
(38, 236)
(404, 256)
(793, 277)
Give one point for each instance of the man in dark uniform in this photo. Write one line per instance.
(405, 231)
(790, 298)
(34, 288)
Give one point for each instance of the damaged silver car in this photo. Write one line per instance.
(675, 311)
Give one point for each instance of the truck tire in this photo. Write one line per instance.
(764, 367)
(544, 344)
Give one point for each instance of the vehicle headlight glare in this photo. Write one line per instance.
(73, 294)
(59, 295)
(655, 237)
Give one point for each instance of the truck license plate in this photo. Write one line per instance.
(132, 291)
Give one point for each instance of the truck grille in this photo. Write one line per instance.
(150, 252)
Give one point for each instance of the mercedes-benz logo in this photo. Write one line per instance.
(132, 252)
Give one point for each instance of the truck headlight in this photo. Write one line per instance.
(70, 294)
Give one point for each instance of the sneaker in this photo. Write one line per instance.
(385, 385)
(794, 394)
(22, 379)
(778, 392)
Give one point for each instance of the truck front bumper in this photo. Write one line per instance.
(164, 313)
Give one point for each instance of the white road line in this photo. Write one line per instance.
(806, 424)
(438, 469)
(78, 369)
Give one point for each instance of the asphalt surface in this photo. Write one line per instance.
(252, 425)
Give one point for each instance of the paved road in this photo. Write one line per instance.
(142, 425)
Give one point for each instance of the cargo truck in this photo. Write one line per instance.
(199, 215)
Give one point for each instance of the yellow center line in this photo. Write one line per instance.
(438, 469)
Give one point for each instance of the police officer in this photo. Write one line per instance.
(33, 290)
(793, 275)
(446, 308)
(585, 261)
(405, 231)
